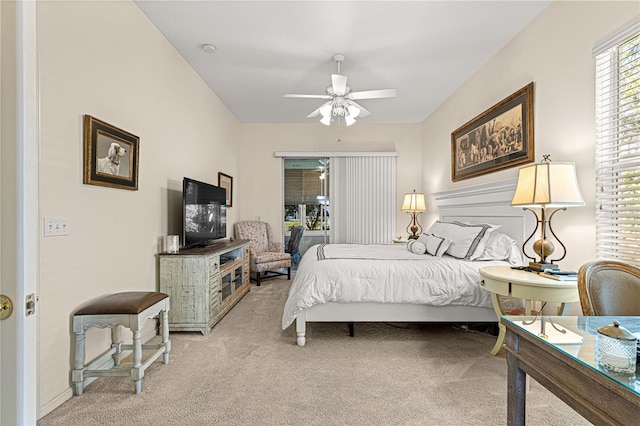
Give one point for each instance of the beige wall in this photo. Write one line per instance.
(107, 60)
(261, 189)
(554, 52)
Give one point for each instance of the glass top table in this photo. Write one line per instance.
(585, 327)
(564, 362)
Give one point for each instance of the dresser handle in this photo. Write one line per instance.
(482, 283)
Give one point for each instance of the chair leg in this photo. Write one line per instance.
(258, 279)
(289, 273)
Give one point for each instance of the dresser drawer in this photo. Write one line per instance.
(214, 265)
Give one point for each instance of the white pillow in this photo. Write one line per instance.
(483, 241)
(436, 246)
(464, 237)
(502, 247)
(416, 247)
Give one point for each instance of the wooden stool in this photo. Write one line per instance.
(129, 309)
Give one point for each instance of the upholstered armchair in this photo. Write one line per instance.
(267, 254)
(608, 287)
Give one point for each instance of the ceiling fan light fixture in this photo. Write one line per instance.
(339, 109)
(326, 120)
(325, 111)
(341, 99)
(354, 111)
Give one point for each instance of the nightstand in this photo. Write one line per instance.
(504, 281)
(400, 241)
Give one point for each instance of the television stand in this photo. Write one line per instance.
(201, 287)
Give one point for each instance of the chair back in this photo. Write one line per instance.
(609, 288)
(294, 243)
(294, 240)
(256, 231)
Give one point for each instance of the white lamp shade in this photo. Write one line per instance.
(549, 185)
(325, 111)
(414, 202)
(326, 120)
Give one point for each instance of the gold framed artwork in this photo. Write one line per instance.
(110, 155)
(226, 182)
(499, 138)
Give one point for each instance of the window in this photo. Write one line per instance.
(618, 146)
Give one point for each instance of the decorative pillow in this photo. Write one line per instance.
(416, 247)
(436, 246)
(464, 237)
(483, 241)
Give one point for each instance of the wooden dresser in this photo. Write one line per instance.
(204, 283)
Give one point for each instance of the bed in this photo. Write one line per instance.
(392, 283)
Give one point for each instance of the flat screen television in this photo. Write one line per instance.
(204, 213)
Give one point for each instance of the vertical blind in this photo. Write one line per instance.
(618, 146)
(363, 199)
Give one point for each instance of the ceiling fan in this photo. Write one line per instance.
(341, 100)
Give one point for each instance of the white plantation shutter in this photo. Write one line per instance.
(618, 146)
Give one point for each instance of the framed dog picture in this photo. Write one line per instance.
(110, 155)
(226, 182)
(499, 138)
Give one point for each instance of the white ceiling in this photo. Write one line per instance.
(423, 49)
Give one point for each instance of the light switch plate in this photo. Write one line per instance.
(55, 226)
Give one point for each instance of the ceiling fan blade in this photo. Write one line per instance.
(339, 83)
(373, 94)
(363, 111)
(317, 111)
(288, 95)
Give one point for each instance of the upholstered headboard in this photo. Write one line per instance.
(487, 203)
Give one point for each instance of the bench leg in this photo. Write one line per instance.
(116, 343)
(136, 371)
(165, 336)
(78, 363)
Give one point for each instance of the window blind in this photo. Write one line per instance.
(618, 149)
(363, 199)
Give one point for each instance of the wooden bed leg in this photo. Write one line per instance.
(352, 331)
(301, 328)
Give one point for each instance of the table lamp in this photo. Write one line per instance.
(414, 204)
(546, 185)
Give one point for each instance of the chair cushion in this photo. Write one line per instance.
(268, 257)
(129, 302)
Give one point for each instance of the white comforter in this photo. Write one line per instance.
(382, 273)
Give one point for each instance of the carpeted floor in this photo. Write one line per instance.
(250, 372)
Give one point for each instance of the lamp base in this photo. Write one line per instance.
(413, 237)
(537, 266)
